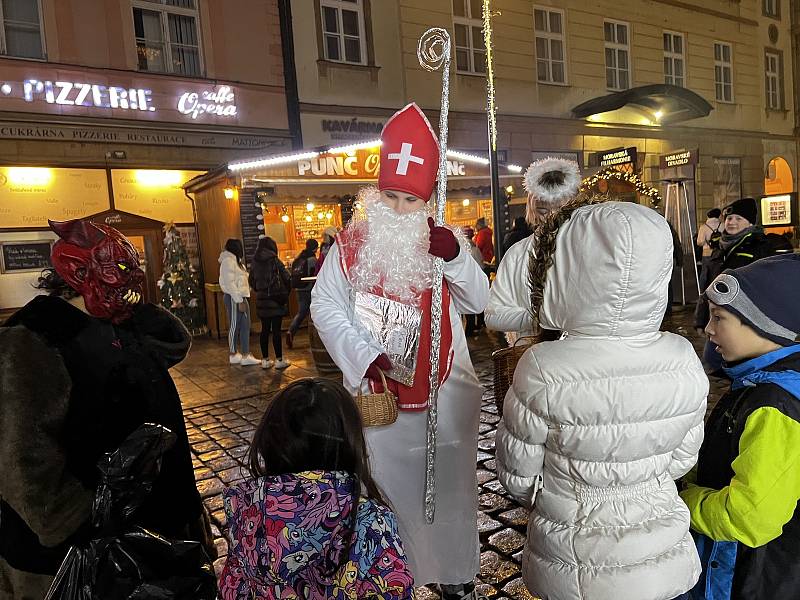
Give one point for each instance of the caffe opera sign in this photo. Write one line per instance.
(219, 101)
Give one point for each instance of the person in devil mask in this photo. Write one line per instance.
(81, 368)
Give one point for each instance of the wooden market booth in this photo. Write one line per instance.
(293, 198)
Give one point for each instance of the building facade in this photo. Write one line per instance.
(714, 77)
(108, 106)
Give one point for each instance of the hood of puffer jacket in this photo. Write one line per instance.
(610, 272)
(300, 526)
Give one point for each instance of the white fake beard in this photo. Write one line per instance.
(394, 257)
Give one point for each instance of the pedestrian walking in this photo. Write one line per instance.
(474, 323)
(328, 239)
(272, 283)
(484, 240)
(233, 281)
(744, 494)
(304, 266)
(310, 522)
(707, 239)
(598, 424)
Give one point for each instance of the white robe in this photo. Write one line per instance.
(447, 551)
(509, 307)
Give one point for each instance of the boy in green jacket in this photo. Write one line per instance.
(743, 500)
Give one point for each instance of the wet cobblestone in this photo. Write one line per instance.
(223, 405)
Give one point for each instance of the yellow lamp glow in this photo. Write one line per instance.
(510, 189)
(310, 206)
(156, 178)
(29, 175)
(320, 215)
(658, 114)
(285, 218)
(308, 218)
(329, 215)
(465, 202)
(229, 193)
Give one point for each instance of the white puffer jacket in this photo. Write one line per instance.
(602, 421)
(233, 277)
(509, 307)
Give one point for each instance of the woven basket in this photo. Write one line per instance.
(505, 362)
(377, 409)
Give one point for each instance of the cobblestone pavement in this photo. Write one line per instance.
(223, 404)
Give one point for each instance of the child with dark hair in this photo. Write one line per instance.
(312, 523)
(743, 496)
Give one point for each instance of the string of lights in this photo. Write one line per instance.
(610, 173)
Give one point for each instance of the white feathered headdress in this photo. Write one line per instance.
(552, 194)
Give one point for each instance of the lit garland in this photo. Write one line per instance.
(610, 173)
(487, 42)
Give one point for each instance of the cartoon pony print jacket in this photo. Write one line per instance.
(296, 536)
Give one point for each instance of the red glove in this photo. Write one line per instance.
(443, 242)
(381, 363)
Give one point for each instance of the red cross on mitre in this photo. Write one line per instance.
(409, 154)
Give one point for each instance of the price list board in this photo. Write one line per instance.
(252, 224)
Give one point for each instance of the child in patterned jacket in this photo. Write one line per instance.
(311, 522)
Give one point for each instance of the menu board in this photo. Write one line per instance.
(154, 194)
(29, 196)
(252, 225)
(778, 210)
(18, 257)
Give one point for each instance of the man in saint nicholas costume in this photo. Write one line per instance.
(391, 254)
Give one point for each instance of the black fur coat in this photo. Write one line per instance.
(73, 387)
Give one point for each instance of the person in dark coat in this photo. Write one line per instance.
(518, 232)
(81, 369)
(742, 242)
(305, 265)
(272, 284)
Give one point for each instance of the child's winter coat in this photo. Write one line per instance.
(292, 536)
(598, 424)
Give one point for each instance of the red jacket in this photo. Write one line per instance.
(483, 240)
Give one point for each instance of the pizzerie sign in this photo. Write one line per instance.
(220, 101)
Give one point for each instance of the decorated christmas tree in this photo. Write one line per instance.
(180, 284)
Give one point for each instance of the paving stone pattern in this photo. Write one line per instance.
(223, 405)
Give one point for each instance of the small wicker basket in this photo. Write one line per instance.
(505, 362)
(377, 409)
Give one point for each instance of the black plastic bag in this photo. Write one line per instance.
(121, 561)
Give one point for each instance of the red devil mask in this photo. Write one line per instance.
(100, 264)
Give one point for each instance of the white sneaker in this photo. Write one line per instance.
(249, 360)
(266, 363)
(235, 359)
(281, 364)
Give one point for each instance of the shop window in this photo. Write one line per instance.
(618, 52)
(771, 8)
(343, 31)
(21, 29)
(167, 39)
(468, 27)
(773, 79)
(727, 180)
(550, 63)
(723, 71)
(674, 59)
